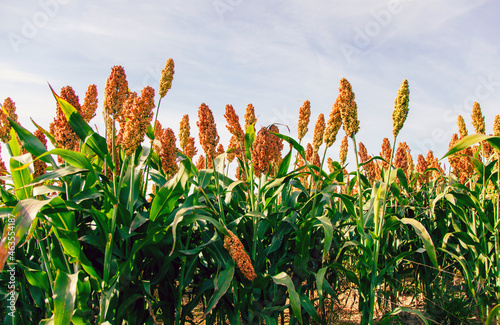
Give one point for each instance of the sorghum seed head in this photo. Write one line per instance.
(167, 75)
(89, 103)
(184, 131)
(400, 108)
(386, 152)
(348, 108)
(333, 124)
(250, 118)
(208, 135)
(233, 123)
(304, 115)
(237, 252)
(344, 145)
(478, 119)
(116, 92)
(496, 126)
(319, 130)
(7, 109)
(138, 114)
(462, 129)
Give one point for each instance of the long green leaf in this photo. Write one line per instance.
(21, 176)
(471, 139)
(31, 143)
(284, 280)
(426, 238)
(64, 297)
(24, 213)
(309, 307)
(328, 228)
(222, 284)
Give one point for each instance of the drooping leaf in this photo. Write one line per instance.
(426, 238)
(222, 283)
(24, 213)
(284, 280)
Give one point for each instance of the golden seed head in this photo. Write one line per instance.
(250, 118)
(400, 108)
(137, 116)
(184, 131)
(400, 157)
(462, 129)
(200, 163)
(304, 115)
(208, 135)
(309, 153)
(331, 166)
(420, 168)
(478, 119)
(333, 124)
(190, 149)
(10, 110)
(220, 149)
(421, 164)
(344, 145)
(266, 149)
(386, 152)
(233, 123)
(237, 252)
(167, 75)
(89, 103)
(164, 146)
(496, 126)
(116, 92)
(371, 169)
(348, 108)
(362, 153)
(319, 130)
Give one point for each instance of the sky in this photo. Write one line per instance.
(273, 54)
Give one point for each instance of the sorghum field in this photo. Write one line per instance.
(141, 225)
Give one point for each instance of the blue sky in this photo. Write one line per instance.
(273, 54)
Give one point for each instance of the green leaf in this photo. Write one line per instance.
(309, 307)
(21, 175)
(284, 280)
(64, 297)
(328, 228)
(166, 199)
(294, 143)
(47, 134)
(24, 213)
(60, 172)
(493, 313)
(36, 278)
(222, 283)
(471, 139)
(31, 143)
(426, 238)
(398, 310)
